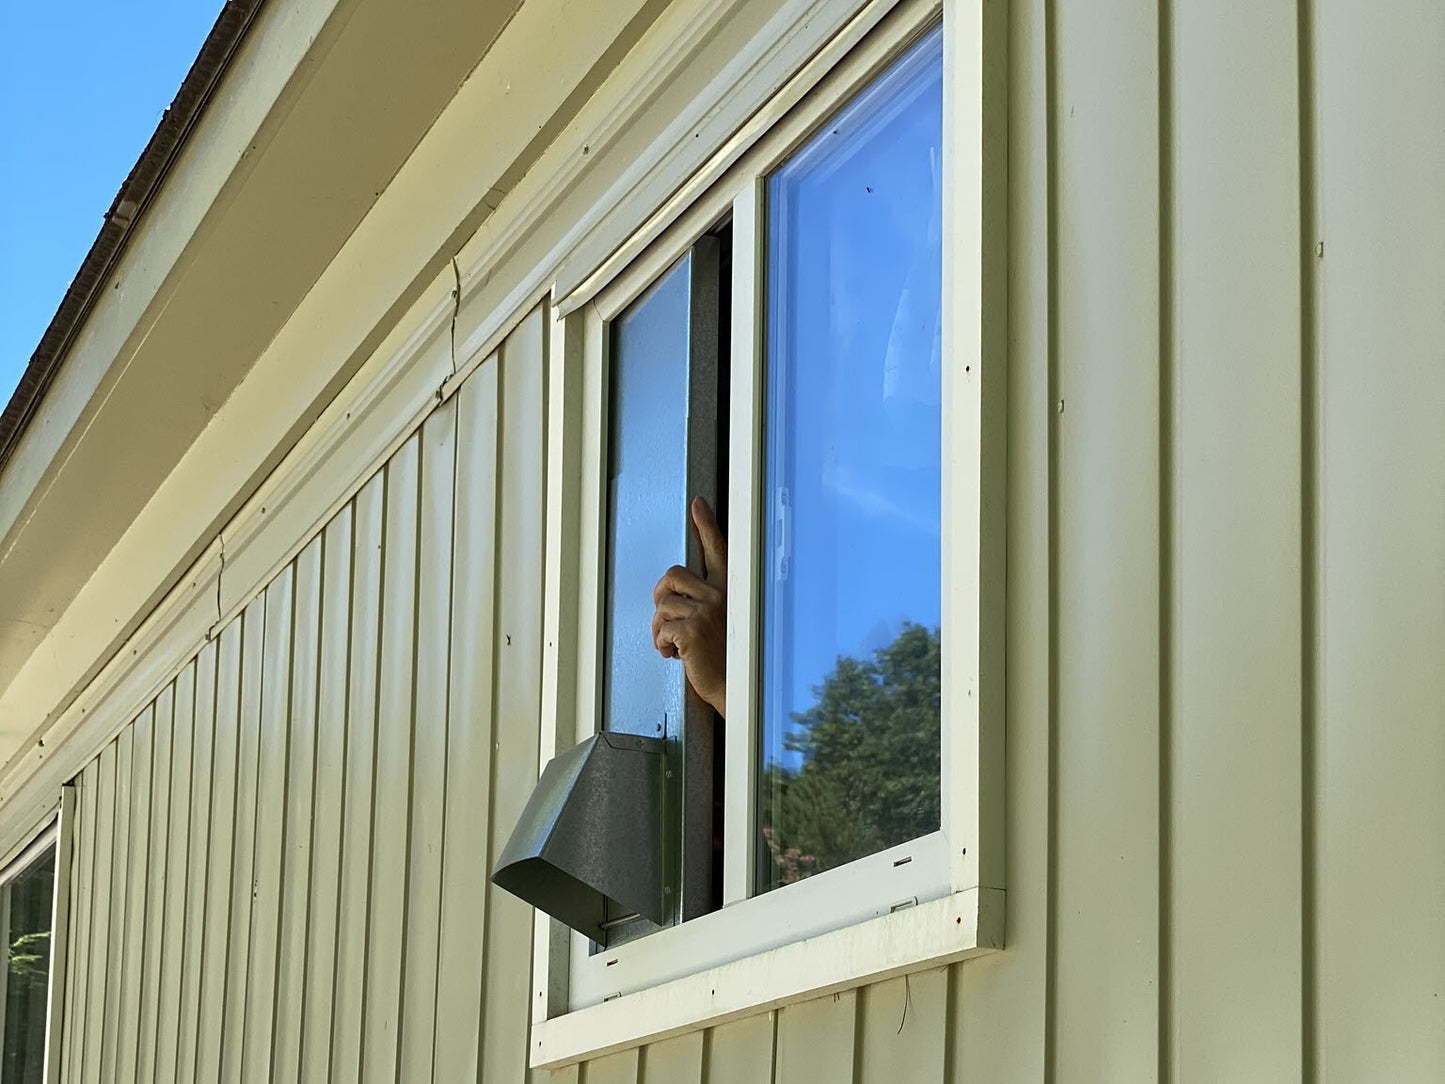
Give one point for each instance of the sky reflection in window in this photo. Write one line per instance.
(850, 699)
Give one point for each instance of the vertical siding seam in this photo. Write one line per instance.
(201, 922)
(285, 797)
(116, 907)
(375, 725)
(155, 922)
(346, 797)
(250, 889)
(205, 863)
(446, 707)
(1167, 482)
(309, 901)
(498, 516)
(128, 1017)
(135, 900)
(178, 944)
(773, 1037)
(405, 872)
(225, 973)
(858, 1029)
(950, 1017)
(1051, 379)
(1311, 1067)
(345, 755)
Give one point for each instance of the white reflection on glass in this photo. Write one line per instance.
(849, 762)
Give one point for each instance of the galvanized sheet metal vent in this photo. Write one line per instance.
(592, 834)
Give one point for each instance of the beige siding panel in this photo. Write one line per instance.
(360, 773)
(131, 959)
(816, 1040)
(114, 918)
(106, 903)
(619, 1068)
(215, 947)
(1107, 557)
(155, 883)
(296, 853)
(243, 840)
(429, 745)
(674, 1061)
(568, 1074)
(269, 814)
(469, 735)
(518, 691)
(997, 1022)
(1236, 656)
(1380, 791)
(200, 908)
(741, 1052)
(77, 985)
(902, 1023)
(326, 827)
(172, 907)
(387, 918)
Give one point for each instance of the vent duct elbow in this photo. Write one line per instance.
(589, 842)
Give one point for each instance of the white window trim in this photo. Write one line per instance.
(930, 901)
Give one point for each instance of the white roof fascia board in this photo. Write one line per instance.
(230, 123)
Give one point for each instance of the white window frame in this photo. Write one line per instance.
(927, 902)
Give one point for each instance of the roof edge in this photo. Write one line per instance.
(129, 205)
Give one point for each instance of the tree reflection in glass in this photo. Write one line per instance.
(849, 759)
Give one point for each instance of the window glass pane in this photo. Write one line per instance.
(25, 903)
(850, 697)
(647, 501)
(663, 410)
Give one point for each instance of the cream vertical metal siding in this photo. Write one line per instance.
(1226, 615)
(1379, 624)
(281, 862)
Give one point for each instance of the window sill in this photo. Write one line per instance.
(941, 931)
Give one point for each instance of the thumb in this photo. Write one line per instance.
(714, 545)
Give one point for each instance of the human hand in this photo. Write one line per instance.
(690, 621)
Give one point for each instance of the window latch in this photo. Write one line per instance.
(783, 514)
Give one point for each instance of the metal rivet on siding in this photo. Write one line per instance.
(1061, 406)
(1320, 249)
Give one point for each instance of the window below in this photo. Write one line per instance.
(26, 902)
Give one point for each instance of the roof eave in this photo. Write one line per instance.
(126, 210)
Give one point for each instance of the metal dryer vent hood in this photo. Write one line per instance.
(591, 835)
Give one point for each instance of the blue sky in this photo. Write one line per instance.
(82, 87)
